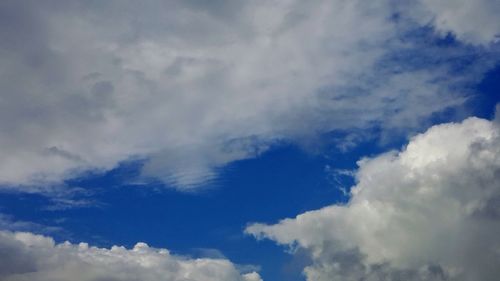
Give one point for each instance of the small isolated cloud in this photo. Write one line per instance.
(428, 212)
(30, 257)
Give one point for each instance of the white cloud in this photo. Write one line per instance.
(26, 256)
(192, 86)
(471, 21)
(429, 212)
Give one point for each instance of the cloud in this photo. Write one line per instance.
(26, 256)
(428, 212)
(189, 86)
(469, 21)
(7, 222)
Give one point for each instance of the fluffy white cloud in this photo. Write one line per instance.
(30, 257)
(429, 212)
(194, 85)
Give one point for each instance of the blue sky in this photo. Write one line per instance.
(282, 182)
(199, 128)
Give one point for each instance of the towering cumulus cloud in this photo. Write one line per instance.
(189, 86)
(429, 212)
(29, 257)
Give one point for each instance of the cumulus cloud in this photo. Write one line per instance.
(190, 86)
(26, 256)
(428, 212)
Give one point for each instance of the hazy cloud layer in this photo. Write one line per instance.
(193, 85)
(30, 257)
(429, 212)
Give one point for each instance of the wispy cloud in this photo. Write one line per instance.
(7, 222)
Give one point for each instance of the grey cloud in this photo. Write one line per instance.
(64, 154)
(97, 83)
(18, 262)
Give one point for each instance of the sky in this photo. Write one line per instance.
(249, 140)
